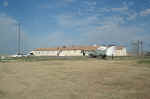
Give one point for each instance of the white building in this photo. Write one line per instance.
(45, 52)
(63, 51)
(79, 51)
(111, 51)
(116, 51)
(120, 51)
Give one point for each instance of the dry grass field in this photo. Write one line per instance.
(75, 79)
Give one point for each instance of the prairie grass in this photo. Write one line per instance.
(74, 79)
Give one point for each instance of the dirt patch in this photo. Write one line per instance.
(80, 79)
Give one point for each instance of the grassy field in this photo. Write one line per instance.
(75, 78)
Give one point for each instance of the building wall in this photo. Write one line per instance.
(121, 52)
(55, 53)
(113, 51)
(44, 53)
(110, 51)
(71, 53)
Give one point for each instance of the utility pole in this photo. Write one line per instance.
(138, 48)
(142, 53)
(22, 48)
(19, 39)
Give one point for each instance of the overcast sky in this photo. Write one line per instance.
(46, 23)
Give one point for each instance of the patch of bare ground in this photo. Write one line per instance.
(68, 79)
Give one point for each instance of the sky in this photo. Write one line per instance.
(50, 23)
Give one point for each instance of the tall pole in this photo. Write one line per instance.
(138, 47)
(22, 44)
(142, 53)
(19, 38)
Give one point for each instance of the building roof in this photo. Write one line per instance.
(68, 48)
(119, 47)
(46, 49)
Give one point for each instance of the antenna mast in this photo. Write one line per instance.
(19, 39)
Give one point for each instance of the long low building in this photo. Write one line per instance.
(79, 51)
(64, 51)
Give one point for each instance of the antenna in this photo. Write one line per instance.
(19, 39)
(142, 51)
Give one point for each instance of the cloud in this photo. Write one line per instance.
(45, 6)
(145, 12)
(92, 29)
(58, 4)
(5, 4)
(87, 7)
(113, 32)
(125, 8)
(71, 22)
(104, 10)
(69, 1)
(90, 8)
(132, 16)
(90, 3)
(124, 11)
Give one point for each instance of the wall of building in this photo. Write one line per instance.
(121, 52)
(114, 51)
(71, 53)
(45, 53)
(110, 51)
(55, 53)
